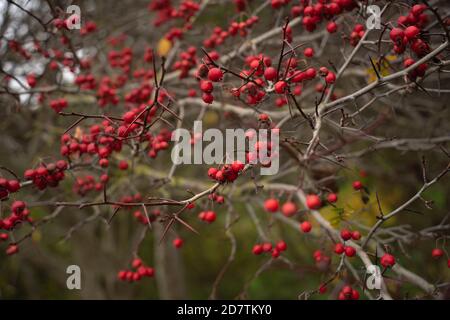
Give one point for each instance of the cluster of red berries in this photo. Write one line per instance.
(86, 81)
(142, 94)
(139, 271)
(407, 32)
(178, 243)
(158, 142)
(207, 216)
(213, 74)
(348, 293)
(187, 61)
(356, 35)
(19, 213)
(313, 14)
(107, 92)
(267, 247)
(142, 218)
(387, 260)
(8, 186)
(276, 4)
(166, 12)
(219, 35)
(227, 173)
(216, 198)
(89, 27)
(48, 175)
(322, 260)
(328, 75)
(58, 105)
(83, 185)
(31, 80)
(121, 59)
(17, 47)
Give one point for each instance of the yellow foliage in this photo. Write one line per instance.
(383, 68)
(354, 208)
(163, 47)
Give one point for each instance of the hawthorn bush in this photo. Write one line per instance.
(86, 172)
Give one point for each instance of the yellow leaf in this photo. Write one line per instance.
(164, 47)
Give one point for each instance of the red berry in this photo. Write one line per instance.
(396, 35)
(339, 248)
(350, 251)
(257, 249)
(332, 27)
(332, 197)
(313, 201)
(357, 185)
(345, 234)
(387, 260)
(270, 73)
(215, 74)
(306, 226)
(411, 32)
(280, 87)
(136, 263)
(177, 242)
(267, 247)
(123, 165)
(206, 86)
(271, 205)
(12, 249)
(275, 253)
(436, 253)
(281, 246)
(330, 78)
(13, 185)
(289, 208)
(237, 166)
(207, 98)
(212, 172)
(356, 235)
(308, 52)
(210, 216)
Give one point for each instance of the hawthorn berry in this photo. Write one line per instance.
(289, 208)
(306, 226)
(267, 246)
(411, 32)
(215, 74)
(387, 260)
(178, 242)
(313, 202)
(332, 197)
(436, 253)
(332, 27)
(281, 246)
(280, 87)
(270, 73)
(349, 251)
(12, 249)
(356, 235)
(357, 185)
(346, 234)
(339, 248)
(123, 165)
(308, 52)
(257, 249)
(271, 205)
